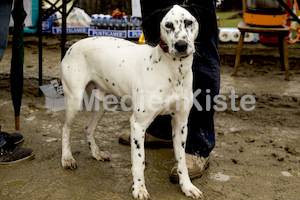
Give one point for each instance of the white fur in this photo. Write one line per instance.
(120, 67)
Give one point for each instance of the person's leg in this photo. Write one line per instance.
(206, 67)
(2, 141)
(5, 10)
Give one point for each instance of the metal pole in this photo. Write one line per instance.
(40, 35)
(64, 28)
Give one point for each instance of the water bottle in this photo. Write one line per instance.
(123, 23)
(55, 20)
(132, 23)
(111, 23)
(93, 24)
(118, 24)
(104, 24)
(138, 23)
(99, 21)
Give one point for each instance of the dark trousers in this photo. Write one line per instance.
(206, 70)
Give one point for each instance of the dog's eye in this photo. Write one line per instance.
(169, 25)
(188, 23)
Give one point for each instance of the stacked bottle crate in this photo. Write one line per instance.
(106, 25)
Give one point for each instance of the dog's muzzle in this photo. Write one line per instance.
(181, 46)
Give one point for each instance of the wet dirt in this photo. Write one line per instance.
(257, 153)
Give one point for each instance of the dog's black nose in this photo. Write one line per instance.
(181, 46)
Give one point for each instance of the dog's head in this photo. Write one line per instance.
(178, 30)
(155, 27)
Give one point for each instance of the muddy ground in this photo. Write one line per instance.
(257, 153)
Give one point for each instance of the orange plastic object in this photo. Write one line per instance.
(265, 20)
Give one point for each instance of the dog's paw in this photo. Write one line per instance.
(140, 193)
(100, 155)
(69, 163)
(192, 191)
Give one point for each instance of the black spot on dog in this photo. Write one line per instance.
(182, 144)
(179, 70)
(139, 179)
(138, 110)
(69, 51)
(160, 90)
(179, 172)
(139, 155)
(106, 80)
(123, 61)
(113, 84)
(150, 56)
(159, 59)
(174, 59)
(137, 144)
(86, 127)
(176, 34)
(137, 89)
(147, 68)
(155, 62)
(172, 113)
(144, 111)
(179, 82)
(118, 47)
(89, 143)
(169, 80)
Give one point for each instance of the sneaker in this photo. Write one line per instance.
(13, 138)
(11, 154)
(196, 167)
(150, 141)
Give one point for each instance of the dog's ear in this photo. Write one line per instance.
(206, 18)
(151, 26)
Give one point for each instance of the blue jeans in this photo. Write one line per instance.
(5, 10)
(2, 141)
(206, 71)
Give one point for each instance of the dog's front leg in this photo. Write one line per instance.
(139, 190)
(179, 131)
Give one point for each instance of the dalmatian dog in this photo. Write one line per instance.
(159, 80)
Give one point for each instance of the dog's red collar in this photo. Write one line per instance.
(163, 46)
